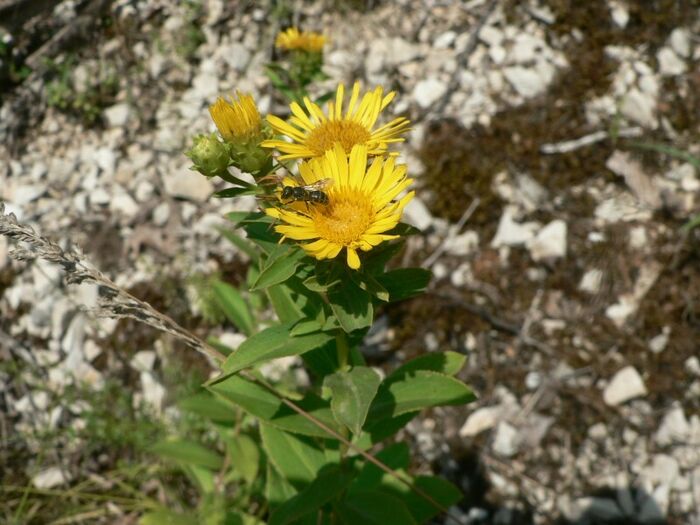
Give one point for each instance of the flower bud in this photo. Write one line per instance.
(210, 156)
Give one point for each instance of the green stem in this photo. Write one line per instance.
(341, 345)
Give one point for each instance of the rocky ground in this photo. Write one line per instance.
(554, 148)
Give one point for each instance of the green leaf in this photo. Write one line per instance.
(441, 490)
(234, 306)
(405, 282)
(373, 508)
(353, 392)
(378, 431)
(202, 478)
(378, 257)
(248, 217)
(207, 406)
(271, 343)
(305, 327)
(241, 243)
(297, 458)
(230, 193)
(280, 265)
(277, 488)
(282, 299)
(448, 363)
(416, 391)
(245, 456)
(371, 286)
(263, 404)
(396, 456)
(188, 452)
(330, 482)
(351, 305)
(166, 517)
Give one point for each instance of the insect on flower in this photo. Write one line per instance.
(314, 193)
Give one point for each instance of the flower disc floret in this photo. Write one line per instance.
(364, 204)
(313, 132)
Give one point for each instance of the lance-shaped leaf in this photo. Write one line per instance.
(372, 507)
(261, 403)
(234, 306)
(351, 305)
(280, 265)
(405, 282)
(272, 343)
(188, 452)
(330, 482)
(448, 363)
(352, 395)
(298, 458)
(418, 390)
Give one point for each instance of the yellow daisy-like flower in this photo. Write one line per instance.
(294, 40)
(315, 134)
(237, 120)
(361, 207)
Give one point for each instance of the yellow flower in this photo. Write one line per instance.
(315, 134)
(237, 120)
(362, 204)
(293, 40)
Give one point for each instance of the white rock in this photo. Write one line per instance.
(106, 159)
(692, 365)
(674, 427)
(550, 242)
(669, 63)
(658, 343)
(463, 244)
(491, 35)
(187, 185)
(506, 441)
(429, 91)
(533, 380)
(663, 471)
(639, 107)
(122, 203)
(117, 115)
(444, 40)
(591, 280)
(161, 214)
(26, 193)
(625, 385)
(416, 213)
(153, 392)
(619, 13)
(237, 56)
(143, 361)
(680, 41)
(638, 238)
(50, 477)
(3, 251)
(511, 233)
(526, 81)
(481, 419)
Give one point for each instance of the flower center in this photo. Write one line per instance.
(346, 132)
(344, 219)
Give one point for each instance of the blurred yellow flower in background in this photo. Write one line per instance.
(238, 119)
(361, 206)
(294, 40)
(315, 134)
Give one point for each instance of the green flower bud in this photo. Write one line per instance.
(210, 156)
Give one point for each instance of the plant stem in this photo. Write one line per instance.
(341, 344)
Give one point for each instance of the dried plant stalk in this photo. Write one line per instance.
(113, 301)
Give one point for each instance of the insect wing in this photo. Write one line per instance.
(320, 185)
